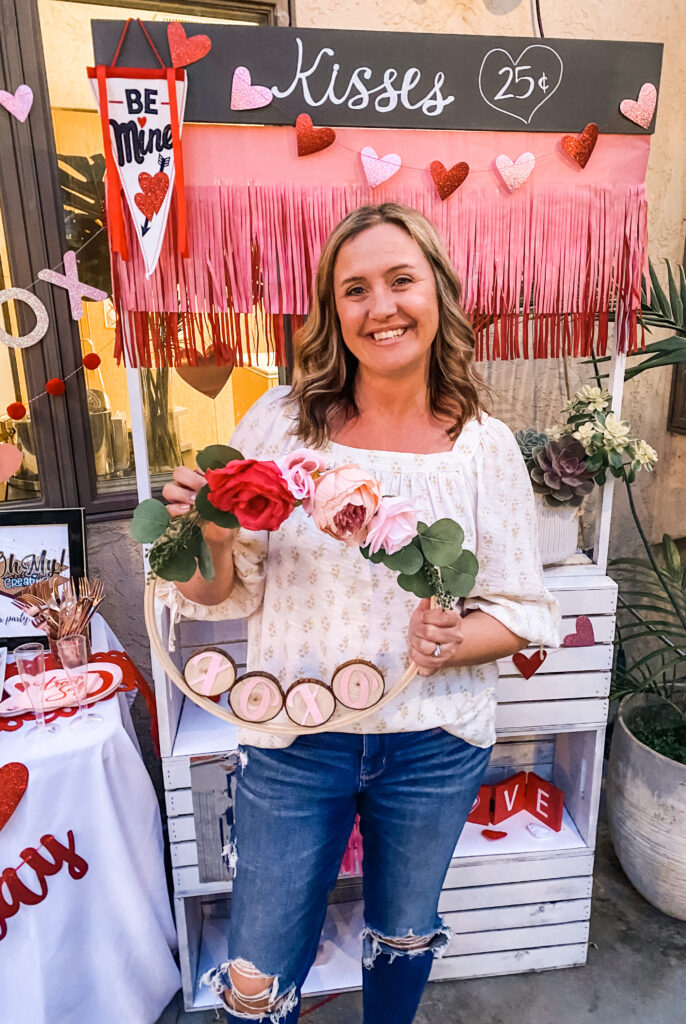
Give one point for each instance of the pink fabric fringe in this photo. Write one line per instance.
(541, 269)
(352, 858)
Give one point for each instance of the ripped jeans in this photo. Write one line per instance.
(295, 809)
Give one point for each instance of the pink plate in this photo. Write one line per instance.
(104, 678)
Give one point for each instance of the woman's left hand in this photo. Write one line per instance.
(431, 629)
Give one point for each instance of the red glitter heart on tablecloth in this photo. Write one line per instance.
(584, 636)
(14, 778)
(448, 181)
(185, 49)
(311, 139)
(527, 666)
(492, 834)
(155, 188)
(580, 149)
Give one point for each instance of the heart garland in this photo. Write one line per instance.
(528, 665)
(580, 149)
(245, 95)
(584, 635)
(514, 173)
(19, 103)
(448, 181)
(185, 49)
(154, 189)
(378, 169)
(10, 461)
(310, 139)
(14, 778)
(641, 111)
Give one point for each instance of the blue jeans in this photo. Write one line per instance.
(295, 809)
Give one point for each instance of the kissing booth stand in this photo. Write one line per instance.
(230, 156)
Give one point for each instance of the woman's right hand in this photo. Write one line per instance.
(180, 497)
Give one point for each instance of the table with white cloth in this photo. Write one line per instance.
(92, 946)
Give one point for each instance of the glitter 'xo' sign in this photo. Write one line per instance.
(257, 697)
(401, 79)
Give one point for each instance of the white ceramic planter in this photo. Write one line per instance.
(646, 802)
(558, 531)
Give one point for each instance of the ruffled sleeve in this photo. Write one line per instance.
(509, 585)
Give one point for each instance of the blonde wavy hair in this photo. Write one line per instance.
(323, 388)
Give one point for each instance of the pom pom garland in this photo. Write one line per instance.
(16, 411)
(91, 361)
(55, 386)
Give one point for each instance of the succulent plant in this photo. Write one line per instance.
(558, 471)
(529, 439)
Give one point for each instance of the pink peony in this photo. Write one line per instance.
(298, 468)
(393, 526)
(345, 500)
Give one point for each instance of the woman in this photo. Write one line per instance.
(384, 378)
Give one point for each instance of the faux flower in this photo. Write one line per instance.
(585, 433)
(592, 398)
(393, 526)
(345, 501)
(298, 468)
(644, 454)
(255, 492)
(615, 433)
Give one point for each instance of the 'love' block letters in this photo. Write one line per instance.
(509, 797)
(524, 791)
(480, 813)
(544, 801)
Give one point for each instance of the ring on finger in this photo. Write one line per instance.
(437, 651)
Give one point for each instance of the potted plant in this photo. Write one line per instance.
(570, 458)
(646, 780)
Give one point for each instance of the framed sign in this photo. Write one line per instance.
(34, 546)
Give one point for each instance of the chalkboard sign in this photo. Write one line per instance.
(404, 80)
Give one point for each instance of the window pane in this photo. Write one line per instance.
(181, 420)
(24, 484)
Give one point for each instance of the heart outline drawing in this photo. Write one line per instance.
(14, 779)
(514, 63)
(245, 95)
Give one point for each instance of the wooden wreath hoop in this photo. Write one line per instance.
(162, 655)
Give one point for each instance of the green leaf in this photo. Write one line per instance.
(674, 297)
(442, 542)
(206, 509)
(600, 477)
(149, 522)
(668, 359)
(178, 567)
(205, 563)
(671, 554)
(408, 560)
(458, 583)
(416, 584)
(216, 456)
(615, 459)
(658, 299)
(466, 563)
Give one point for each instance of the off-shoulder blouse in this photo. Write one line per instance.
(314, 603)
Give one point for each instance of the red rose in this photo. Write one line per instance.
(255, 492)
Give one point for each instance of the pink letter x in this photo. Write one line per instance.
(71, 282)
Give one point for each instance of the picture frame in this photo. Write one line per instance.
(36, 544)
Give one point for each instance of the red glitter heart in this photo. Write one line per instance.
(584, 636)
(155, 187)
(311, 139)
(14, 778)
(527, 666)
(580, 149)
(492, 834)
(447, 182)
(185, 49)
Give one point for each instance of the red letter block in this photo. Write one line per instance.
(510, 797)
(545, 801)
(481, 808)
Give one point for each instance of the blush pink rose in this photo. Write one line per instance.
(298, 468)
(393, 526)
(345, 501)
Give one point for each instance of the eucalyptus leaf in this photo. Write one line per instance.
(205, 563)
(459, 584)
(149, 522)
(408, 560)
(416, 584)
(467, 563)
(442, 542)
(216, 456)
(615, 459)
(179, 566)
(206, 509)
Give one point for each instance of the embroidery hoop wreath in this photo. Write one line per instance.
(440, 555)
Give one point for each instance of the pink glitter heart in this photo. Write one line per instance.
(641, 111)
(10, 461)
(245, 95)
(514, 174)
(584, 636)
(18, 104)
(378, 169)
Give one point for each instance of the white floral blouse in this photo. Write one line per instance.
(314, 603)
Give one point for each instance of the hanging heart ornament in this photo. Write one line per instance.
(514, 173)
(584, 635)
(10, 461)
(448, 181)
(18, 103)
(641, 111)
(378, 169)
(528, 665)
(580, 149)
(14, 778)
(205, 374)
(310, 139)
(245, 95)
(185, 49)
(154, 189)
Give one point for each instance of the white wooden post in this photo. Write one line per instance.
(615, 386)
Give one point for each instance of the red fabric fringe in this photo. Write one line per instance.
(542, 270)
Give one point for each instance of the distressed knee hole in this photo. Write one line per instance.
(251, 991)
(374, 942)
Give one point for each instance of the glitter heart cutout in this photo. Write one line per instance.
(448, 181)
(584, 635)
(311, 139)
(154, 189)
(641, 111)
(580, 149)
(514, 173)
(185, 49)
(528, 665)
(378, 169)
(245, 95)
(18, 103)
(205, 376)
(14, 778)
(10, 461)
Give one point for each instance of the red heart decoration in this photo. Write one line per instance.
(185, 49)
(584, 636)
(527, 666)
(14, 778)
(492, 834)
(447, 182)
(205, 375)
(311, 139)
(155, 187)
(142, 121)
(580, 149)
